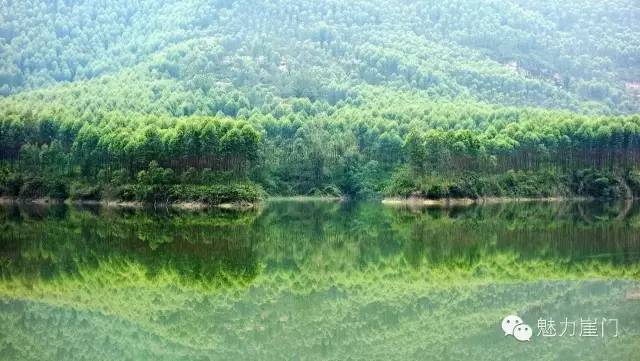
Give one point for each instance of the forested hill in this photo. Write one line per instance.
(580, 55)
(216, 101)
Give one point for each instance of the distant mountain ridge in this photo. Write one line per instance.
(581, 56)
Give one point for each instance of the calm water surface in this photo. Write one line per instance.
(319, 281)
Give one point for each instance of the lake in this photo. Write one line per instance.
(320, 281)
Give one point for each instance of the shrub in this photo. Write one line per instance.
(209, 194)
(58, 190)
(190, 176)
(595, 183)
(217, 194)
(462, 190)
(633, 180)
(332, 191)
(127, 192)
(11, 185)
(402, 183)
(84, 192)
(119, 177)
(33, 188)
(156, 175)
(437, 191)
(328, 191)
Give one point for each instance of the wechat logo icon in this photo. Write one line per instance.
(513, 325)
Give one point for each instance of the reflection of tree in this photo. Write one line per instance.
(193, 245)
(563, 231)
(47, 242)
(624, 211)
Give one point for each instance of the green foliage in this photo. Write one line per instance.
(106, 279)
(596, 183)
(633, 179)
(155, 175)
(403, 183)
(58, 189)
(543, 183)
(437, 191)
(33, 188)
(206, 194)
(11, 184)
(302, 157)
(84, 192)
(336, 95)
(109, 154)
(217, 194)
(510, 52)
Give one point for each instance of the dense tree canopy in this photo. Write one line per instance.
(547, 53)
(307, 97)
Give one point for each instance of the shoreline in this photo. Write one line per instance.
(305, 199)
(132, 205)
(452, 202)
(390, 201)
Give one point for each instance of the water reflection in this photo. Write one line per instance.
(318, 281)
(43, 241)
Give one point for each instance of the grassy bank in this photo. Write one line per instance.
(446, 202)
(550, 184)
(137, 195)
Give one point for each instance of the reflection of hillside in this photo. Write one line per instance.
(49, 241)
(388, 320)
(356, 235)
(35, 330)
(221, 246)
(374, 281)
(557, 232)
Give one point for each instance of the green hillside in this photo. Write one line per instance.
(454, 98)
(543, 53)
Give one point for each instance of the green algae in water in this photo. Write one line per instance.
(316, 281)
